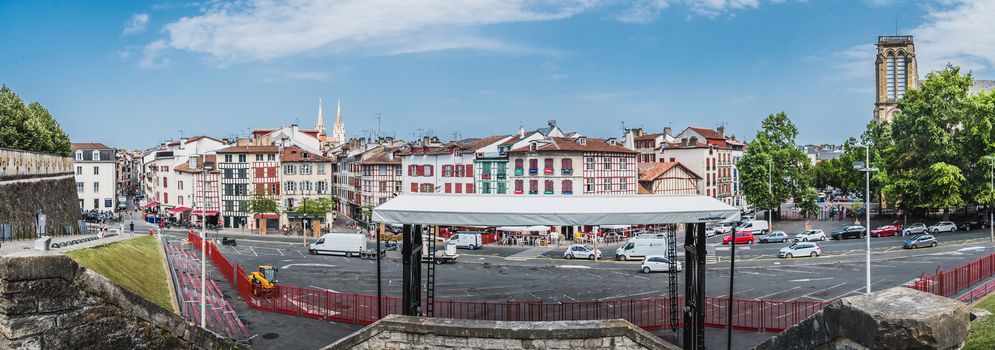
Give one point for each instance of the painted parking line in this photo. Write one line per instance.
(776, 293)
(809, 295)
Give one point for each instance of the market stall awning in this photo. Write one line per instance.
(512, 210)
(178, 210)
(615, 227)
(523, 228)
(150, 204)
(209, 212)
(266, 216)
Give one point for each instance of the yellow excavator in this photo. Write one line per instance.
(264, 283)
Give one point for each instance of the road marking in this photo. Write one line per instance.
(809, 295)
(811, 279)
(253, 251)
(326, 289)
(299, 252)
(776, 293)
(627, 295)
(569, 297)
(970, 248)
(281, 251)
(306, 264)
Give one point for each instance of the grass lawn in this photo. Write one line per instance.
(135, 264)
(982, 336)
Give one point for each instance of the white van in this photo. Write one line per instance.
(348, 244)
(754, 226)
(640, 247)
(466, 239)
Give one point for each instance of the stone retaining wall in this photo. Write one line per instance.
(407, 332)
(50, 302)
(54, 195)
(20, 164)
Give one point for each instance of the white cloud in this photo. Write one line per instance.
(265, 30)
(712, 8)
(152, 55)
(137, 23)
(962, 33)
(643, 11)
(856, 62)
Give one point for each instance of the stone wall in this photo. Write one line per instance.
(20, 164)
(896, 318)
(53, 195)
(406, 332)
(50, 302)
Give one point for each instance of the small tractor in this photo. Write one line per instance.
(264, 283)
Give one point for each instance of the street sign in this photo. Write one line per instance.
(42, 219)
(858, 165)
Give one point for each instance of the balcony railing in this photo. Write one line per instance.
(501, 176)
(568, 192)
(518, 192)
(485, 176)
(519, 171)
(533, 171)
(548, 192)
(533, 192)
(567, 171)
(547, 171)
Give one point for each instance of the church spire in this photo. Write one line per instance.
(338, 130)
(320, 126)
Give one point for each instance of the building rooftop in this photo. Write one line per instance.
(250, 149)
(296, 154)
(651, 171)
(210, 158)
(88, 146)
(895, 39)
(567, 144)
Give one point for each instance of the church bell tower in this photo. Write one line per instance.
(896, 72)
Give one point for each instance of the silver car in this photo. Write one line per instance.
(581, 251)
(776, 236)
(943, 226)
(914, 229)
(811, 235)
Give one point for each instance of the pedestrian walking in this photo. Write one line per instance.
(132, 230)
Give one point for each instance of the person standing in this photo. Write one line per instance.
(132, 228)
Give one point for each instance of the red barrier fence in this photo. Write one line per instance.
(648, 313)
(947, 283)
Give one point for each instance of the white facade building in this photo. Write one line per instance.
(95, 167)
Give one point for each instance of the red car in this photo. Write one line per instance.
(742, 237)
(886, 231)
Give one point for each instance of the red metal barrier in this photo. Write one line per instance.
(947, 283)
(648, 313)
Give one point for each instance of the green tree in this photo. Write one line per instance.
(924, 133)
(51, 138)
(945, 181)
(30, 127)
(774, 169)
(262, 203)
(316, 208)
(808, 205)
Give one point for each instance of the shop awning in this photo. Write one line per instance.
(178, 210)
(615, 227)
(150, 204)
(209, 212)
(266, 216)
(524, 228)
(512, 210)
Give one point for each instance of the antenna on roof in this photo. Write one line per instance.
(379, 116)
(623, 126)
(181, 133)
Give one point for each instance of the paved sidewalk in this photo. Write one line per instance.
(27, 247)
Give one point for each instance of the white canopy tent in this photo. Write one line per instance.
(512, 210)
(523, 228)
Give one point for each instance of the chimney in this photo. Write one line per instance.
(192, 163)
(722, 130)
(637, 132)
(551, 123)
(521, 133)
(183, 143)
(667, 131)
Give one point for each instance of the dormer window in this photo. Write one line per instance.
(96, 155)
(79, 155)
(533, 146)
(611, 141)
(582, 140)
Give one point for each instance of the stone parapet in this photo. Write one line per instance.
(16, 164)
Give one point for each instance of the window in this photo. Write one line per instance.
(608, 163)
(290, 186)
(502, 168)
(486, 168)
(900, 77)
(458, 170)
(547, 167)
(548, 186)
(623, 164)
(79, 155)
(502, 188)
(179, 200)
(621, 184)
(382, 170)
(447, 171)
(270, 157)
(165, 197)
(243, 173)
(108, 203)
(567, 187)
(383, 187)
(469, 170)
(229, 205)
(165, 182)
(79, 170)
(469, 188)
(241, 158)
(227, 158)
(96, 203)
(890, 73)
(567, 166)
(533, 166)
(519, 163)
(96, 155)
(519, 186)
(96, 170)
(306, 186)
(321, 168)
(459, 187)
(485, 187)
(427, 188)
(305, 169)
(533, 186)
(428, 170)
(229, 173)
(589, 185)
(589, 163)
(321, 187)
(79, 187)
(414, 187)
(608, 184)
(259, 157)
(289, 169)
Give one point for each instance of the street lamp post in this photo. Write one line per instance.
(770, 189)
(866, 168)
(991, 213)
(203, 245)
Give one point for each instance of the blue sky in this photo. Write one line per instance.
(132, 74)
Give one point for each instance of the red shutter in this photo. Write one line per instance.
(449, 188)
(414, 186)
(411, 170)
(419, 170)
(469, 188)
(259, 172)
(469, 172)
(459, 187)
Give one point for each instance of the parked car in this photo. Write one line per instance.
(853, 231)
(757, 227)
(640, 246)
(719, 229)
(581, 251)
(466, 239)
(914, 229)
(942, 226)
(742, 237)
(776, 236)
(811, 235)
(348, 244)
(920, 240)
(800, 249)
(659, 263)
(972, 225)
(886, 231)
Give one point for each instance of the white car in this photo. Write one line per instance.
(581, 251)
(720, 229)
(811, 235)
(800, 249)
(659, 263)
(942, 226)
